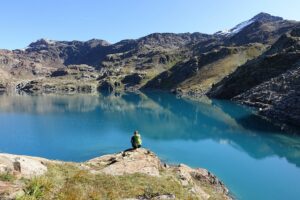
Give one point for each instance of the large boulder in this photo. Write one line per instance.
(127, 162)
(23, 166)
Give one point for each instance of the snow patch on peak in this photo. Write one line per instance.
(240, 26)
(223, 32)
(235, 29)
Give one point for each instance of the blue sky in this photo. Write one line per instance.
(25, 21)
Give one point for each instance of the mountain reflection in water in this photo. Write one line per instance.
(162, 116)
(246, 152)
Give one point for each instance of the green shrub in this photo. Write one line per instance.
(6, 176)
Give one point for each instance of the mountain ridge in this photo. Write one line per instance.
(191, 64)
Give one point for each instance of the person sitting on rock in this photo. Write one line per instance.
(136, 140)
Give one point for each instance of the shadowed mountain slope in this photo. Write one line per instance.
(223, 65)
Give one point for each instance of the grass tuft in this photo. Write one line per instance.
(67, 182)
(7, 177)
(36, 188)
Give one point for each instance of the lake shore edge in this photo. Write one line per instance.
(283, 126)
(130, 174)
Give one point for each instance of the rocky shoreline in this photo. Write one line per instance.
(26, 177)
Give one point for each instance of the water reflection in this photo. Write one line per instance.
(162, 116)
(47, 103)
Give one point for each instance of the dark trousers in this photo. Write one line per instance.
(135, 146)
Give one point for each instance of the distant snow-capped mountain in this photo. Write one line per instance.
(262, 17)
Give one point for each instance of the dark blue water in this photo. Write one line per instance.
(253, 158)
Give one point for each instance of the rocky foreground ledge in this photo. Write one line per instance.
(132, 174)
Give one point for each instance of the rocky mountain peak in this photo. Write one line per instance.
(97, 42)
(265, 17)
(42, 42)
(45, 43)
(261, 17)
(172, 40)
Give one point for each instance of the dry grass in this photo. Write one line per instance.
(67, 182)
(216, 71)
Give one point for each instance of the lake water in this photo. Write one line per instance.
(253, 158)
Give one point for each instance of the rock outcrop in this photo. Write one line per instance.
(127, 162)
(270, 82)
(146, 162)
(23, 166)
(278, 99)
(199, 183)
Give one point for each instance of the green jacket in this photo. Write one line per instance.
(136, 139)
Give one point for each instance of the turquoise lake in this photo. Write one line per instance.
(253, 158)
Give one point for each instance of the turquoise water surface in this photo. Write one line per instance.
(253, 158)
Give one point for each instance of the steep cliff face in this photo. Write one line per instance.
(269, 82)
(30, 177)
